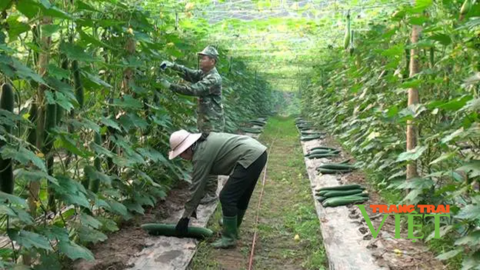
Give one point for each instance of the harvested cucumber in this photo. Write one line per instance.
(338, 201)
(323, 148)
(336, 166)
(344, 187)
(338, 193)
(333, 171)
(169, 230)
(309, 138)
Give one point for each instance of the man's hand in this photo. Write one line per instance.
(182, 226)
(166, 64)
(165, 83)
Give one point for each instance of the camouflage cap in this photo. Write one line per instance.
(209, 51)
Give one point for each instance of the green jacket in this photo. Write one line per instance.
(218, 155)
(208, 88)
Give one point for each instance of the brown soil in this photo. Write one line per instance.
(114, 253)
(393, 253)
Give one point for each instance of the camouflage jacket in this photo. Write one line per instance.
(208, 88)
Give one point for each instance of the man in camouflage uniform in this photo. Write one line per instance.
(207, 86)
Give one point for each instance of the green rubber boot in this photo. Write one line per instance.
(229, 233)
(240, 215)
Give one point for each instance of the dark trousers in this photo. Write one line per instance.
(238, 190)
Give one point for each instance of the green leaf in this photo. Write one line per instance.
(109, 122)
(135, 207)
(471, 261)
(49, 29)
(443, 157)
(93, 174)
(445, 40)
(449, 255)
(25, 72)
(70, 145)
(411, 84)
(90, 221)
(472, 105)
(16, 28)
(29, 239)
(74, 251)
(127, 101)
(12, 199)
(453, 135)
(90, 235)
(34, 175)
(417, 183)
(77, 199)
(472, 168)
(57, 72)
(4, 4)
(412, 155)
(108, 224)
(472, 239)
(53, 232)
(421, 5)
(81, 5)
(24, 156)
(443, 231)
(96, 80)
(152, 154)
(75, 52)
(414, 196)
(469, 212)
(29, 8)
(118, 208)
(100, 150)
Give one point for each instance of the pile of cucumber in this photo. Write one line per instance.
(169, 230)
(303, 125)
(258, 122)
(341, 195)
(334, 168)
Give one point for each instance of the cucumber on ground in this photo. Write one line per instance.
(336, 166)
(337, 193)
(323, 151)
(344, 187)
(338, 201)
(321, 198)
(169, 230)
(309, 138)
(332, 171)
(323, 148)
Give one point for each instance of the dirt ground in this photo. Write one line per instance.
(114, 253)
(389, 252)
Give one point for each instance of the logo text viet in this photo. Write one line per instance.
(410, 211)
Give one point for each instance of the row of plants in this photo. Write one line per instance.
(84, 123)
(361, 92)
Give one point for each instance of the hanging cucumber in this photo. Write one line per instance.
(7, 181)
(352, 47)
(346, 40)
(465, 9)
(50, 122)
(95, 184)
(79, 94)
(60, 110)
